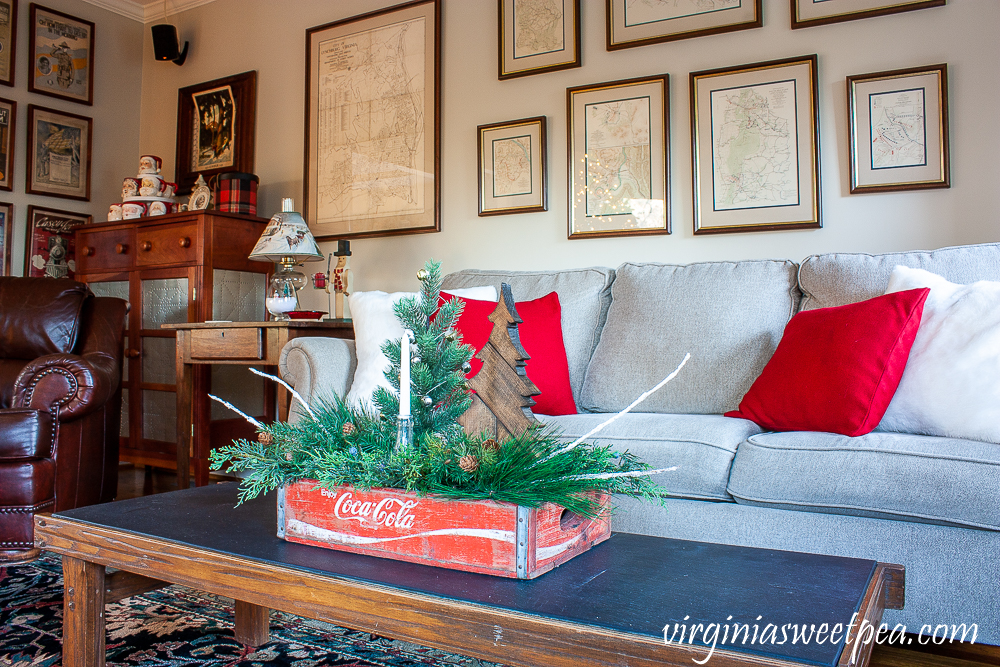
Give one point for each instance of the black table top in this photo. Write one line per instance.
(631, 583)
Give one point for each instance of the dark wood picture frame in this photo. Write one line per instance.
(682, 32)
(811, 114)
(505, 41)
(7, 237)
(661, 160)
(7, 140)
(70, 249)
(428, 172)
(40, 61)
(918, 180)
(243, 132)
(32, 186)
(542, 170)
(9, 45)
(890, 7)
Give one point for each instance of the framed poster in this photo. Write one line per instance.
(216, 128)
(50, 248)
(6, 237)
(755, 147)
(59, 147)
(618, 155)
(898, 124)
(372, 141)
(62, 52)
(8, 41)
(8, 109)
(537, 36)
(806, 13)
(633, 23)
(512, 171)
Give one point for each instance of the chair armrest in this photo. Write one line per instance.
(318, 367)
(68, 385)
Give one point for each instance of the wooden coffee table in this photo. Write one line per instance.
(606, 607)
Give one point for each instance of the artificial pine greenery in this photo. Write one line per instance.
(336, 444)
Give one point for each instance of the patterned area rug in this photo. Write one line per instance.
(180, 626)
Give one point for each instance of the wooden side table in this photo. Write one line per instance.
(239, 343)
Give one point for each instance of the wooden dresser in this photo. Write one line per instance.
(182, 267)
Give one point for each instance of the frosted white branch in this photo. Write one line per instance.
(236, 410)
(632, 473)
(296, 395)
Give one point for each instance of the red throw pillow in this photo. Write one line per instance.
(836, 369)
(541, 337)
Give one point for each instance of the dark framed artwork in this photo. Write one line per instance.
(755, 147)
(377, 174)
(536, 36)
(8, 114)
(6, 237)
(216, 128)
(59, 149)
(806, 13)
(62, 55)
(631, 23)
(898, 126)
(618, 143)
(50, 245)
(8, 41)
(512, 167)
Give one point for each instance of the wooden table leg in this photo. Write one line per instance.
(83, 613)
(252, 623)
(185, 394)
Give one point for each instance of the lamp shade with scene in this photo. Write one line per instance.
(286, 241)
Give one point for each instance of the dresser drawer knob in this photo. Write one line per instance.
(146, 246)
(185, 241)
(131, 353)
(121, 248)
(87, 251)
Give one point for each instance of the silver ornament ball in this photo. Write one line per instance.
(423, 274)
(427, 401)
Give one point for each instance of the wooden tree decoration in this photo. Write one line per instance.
(502, 402)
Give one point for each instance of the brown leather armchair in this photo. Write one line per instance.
(60, 403)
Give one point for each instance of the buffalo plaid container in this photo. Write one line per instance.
(237, 193)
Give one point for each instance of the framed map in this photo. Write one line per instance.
(640, 22)
(8, 109)
(62, 54)
(59, 149)
(898, 124)
(6, 237)
(512, 169)
(537, 36)
(618, 157)
(50, 244)
(807, 13)
(8, 41)
(372, 153)
(755, 147)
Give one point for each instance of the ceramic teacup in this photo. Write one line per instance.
(130, 187)
(169, 189)
(152, 185)
(133, 209)
(149, 164)
(157, 208)
(115, 212)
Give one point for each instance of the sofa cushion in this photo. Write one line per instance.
(882, 475)
(584, 296)
(838, 278)
(39, 316)
(702, 446)
(728, 315)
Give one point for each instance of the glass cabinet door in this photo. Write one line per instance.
(164, 301)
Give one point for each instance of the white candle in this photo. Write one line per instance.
(404, 376)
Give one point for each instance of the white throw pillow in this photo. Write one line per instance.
(951, 385)
(375, 323)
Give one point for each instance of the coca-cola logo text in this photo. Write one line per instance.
(387, 512)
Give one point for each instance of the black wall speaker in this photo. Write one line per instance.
(165, 44)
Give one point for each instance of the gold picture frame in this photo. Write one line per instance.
(807, 13)
(637, 24)
(59, 153)
(537, 36)
(512, 167)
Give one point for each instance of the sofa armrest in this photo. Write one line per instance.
(318, 367)
(68, 385)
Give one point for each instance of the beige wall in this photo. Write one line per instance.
(231, 36)
(117, 92)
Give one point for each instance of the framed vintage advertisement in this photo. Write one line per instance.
(8, 112)
(216, 128)
(512, 170)
(537, 36)
(8, 41)
(631, 23)
(618, 158)
(372, 141)
(59, 147)
(807, 13)
(898, 125)
(62, 55)
(6, 237)
(755, 147)
(50, 247)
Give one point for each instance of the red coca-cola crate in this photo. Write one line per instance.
(483, 536)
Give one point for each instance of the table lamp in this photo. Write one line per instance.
(286, 241)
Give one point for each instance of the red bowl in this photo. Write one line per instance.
(306, 314)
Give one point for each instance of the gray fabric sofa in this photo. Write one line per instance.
(931, 504)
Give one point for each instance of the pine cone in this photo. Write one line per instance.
(348, 429)
(468, 463)
(265, 438)
(491, 445)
